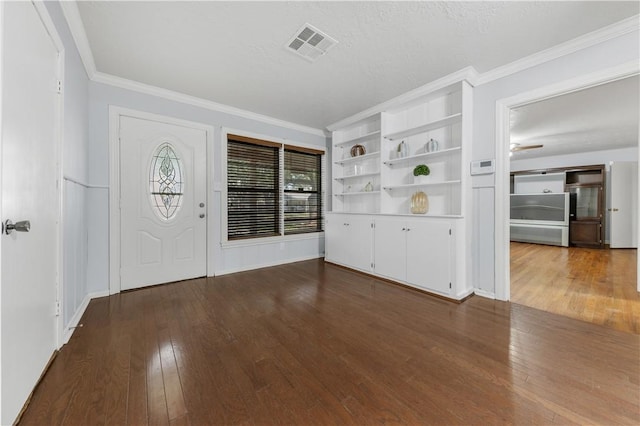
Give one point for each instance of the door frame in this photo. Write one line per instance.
(115, 112)
(503, 110)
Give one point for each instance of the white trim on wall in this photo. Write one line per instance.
(503, 109)
(74, 21)
(601, 35)
(115, 112)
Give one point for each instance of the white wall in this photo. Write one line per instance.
(226, 259)
(604, 55)
(75, 145)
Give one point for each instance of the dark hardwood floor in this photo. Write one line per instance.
(312, 343)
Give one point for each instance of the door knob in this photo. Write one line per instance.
(201, 215)
(201, 204)
(8, 226)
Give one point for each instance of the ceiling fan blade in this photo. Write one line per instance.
(525, 147)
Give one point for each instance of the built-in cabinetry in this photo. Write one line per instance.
(418, 252)
(373, 159)
(349, 240)
(587, 227)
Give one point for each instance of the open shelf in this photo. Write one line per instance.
(357, 176)
(419, 185)
(356, 193)
(359, 139)
(358, 158)
(410, 158)
(436, 124)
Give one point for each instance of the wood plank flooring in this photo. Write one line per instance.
(592, 285)
(312, 343)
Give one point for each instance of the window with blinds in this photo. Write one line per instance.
(302, 191)
(272, 189)
(253, 190)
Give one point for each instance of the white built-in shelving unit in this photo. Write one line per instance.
(370, 227)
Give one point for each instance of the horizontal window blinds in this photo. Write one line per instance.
(253, 190)
(302, 191)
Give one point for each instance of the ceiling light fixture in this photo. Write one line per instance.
(310, 43)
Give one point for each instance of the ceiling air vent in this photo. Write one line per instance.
(310, 43)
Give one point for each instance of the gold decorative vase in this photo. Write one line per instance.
(419, 203)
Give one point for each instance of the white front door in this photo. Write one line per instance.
(163, 202)
(30, 191)
(623, 213)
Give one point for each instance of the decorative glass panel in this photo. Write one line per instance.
(166, 181)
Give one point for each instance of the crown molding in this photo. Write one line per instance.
(135, 86)
(76, 26)
(469, 74)
(74, 21)
(598, 36)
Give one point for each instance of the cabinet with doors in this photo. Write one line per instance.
(373, 160)
(586, 229)
(349, 240)
(415, 252)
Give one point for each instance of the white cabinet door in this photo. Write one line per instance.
(390, 248)
(348, 240)
(359, 242)
(335, 239)
(429, 255)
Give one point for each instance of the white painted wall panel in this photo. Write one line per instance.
(74, 250)
(75, 155)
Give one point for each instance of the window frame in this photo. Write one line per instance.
(224, 199)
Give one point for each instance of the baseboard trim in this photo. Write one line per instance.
(407, 286)
(75, 319)
(483, 293)
(267, 265)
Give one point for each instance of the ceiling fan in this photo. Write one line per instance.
(514, 147)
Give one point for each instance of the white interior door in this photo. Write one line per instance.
(163, 202)
(30, 111)
(623, 212)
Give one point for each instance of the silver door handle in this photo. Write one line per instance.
(8, 226)
(201, 215)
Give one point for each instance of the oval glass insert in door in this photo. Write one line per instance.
(166, 181)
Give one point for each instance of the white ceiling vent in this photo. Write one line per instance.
(310, 43)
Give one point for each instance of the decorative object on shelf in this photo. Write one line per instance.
(419, 203)
(546, 191)
(432, 146)
(368, 187)
(421, 173)
(402, 150)
(357, 150)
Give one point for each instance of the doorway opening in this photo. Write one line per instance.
(548, 267)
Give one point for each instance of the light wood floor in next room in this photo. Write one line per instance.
(592, 285)
(311, 343)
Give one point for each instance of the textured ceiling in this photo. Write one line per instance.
(233, 52)
(601, 117)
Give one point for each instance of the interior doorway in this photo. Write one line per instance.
(503, 187)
